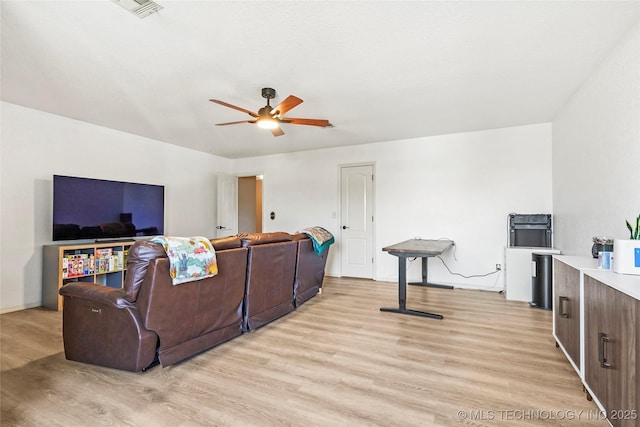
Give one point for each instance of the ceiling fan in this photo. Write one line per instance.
(269, 117)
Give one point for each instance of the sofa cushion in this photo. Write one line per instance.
(140, 253)
(251, 239)
(223, 243)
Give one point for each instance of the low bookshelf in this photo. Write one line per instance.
(103, 263)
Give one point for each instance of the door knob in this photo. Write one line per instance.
(344, 227)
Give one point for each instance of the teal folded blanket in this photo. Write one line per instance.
(320, 238)
(190, 258)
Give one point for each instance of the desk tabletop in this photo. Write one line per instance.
(419, 247)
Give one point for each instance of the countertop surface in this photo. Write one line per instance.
(628, 284)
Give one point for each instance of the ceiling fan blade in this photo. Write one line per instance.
(309, 122)
(286, 105)
(277, 132)
(226, 104)
(235, 123)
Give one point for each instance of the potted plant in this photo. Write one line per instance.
(635, 233)
(626, 252)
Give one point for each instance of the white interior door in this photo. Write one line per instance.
(227, 205)
(356, 215)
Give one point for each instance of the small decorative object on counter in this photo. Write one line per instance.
(627, 251)
(601, 244)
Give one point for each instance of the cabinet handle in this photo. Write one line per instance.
(602, 358)
(563, 312)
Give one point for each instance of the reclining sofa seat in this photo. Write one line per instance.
(149, 317)
(195, 316)
(270, 276)
(309, 270)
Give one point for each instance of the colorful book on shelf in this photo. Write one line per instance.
(103, 255)
(119, 258)
(75, 265)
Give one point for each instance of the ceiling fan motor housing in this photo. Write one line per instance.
(268, 93)
(265, 111)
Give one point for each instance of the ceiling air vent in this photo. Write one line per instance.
(140, 8)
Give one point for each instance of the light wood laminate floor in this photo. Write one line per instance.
(336, 361)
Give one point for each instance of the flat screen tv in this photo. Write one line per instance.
(86, 208)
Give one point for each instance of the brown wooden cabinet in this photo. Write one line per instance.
(612, 351)
(102, 263)
(566, 310)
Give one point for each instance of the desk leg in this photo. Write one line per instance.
(425, 272)
(402, 294)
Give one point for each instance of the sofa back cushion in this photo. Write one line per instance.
(252, 239)
(270, 277)
(140, 254)
(309, 269)
(182, 315)
(300, 236)
(223, 243)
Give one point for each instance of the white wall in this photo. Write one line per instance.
(460, 186)
(596, 152)
(36, 145)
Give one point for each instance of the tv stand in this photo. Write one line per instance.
(103, 262)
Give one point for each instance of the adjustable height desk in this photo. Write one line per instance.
(415, 248)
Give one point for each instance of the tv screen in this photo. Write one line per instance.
(86, 208)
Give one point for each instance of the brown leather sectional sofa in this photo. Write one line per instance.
(261, 277)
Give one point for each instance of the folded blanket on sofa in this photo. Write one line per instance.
(320, 238)
(190, 258)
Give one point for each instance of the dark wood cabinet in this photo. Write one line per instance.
(566, 310)
(612, 351)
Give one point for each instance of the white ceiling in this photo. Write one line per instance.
(378, 70)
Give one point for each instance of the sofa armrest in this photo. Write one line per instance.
(98, 293)
(101, 328)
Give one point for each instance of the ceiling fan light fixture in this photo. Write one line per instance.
(269, 117)
(267, 123)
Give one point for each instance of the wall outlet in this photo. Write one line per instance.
(498, 267)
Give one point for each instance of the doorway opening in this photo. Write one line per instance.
(250, 204)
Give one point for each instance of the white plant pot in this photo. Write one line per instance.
(626, 256)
